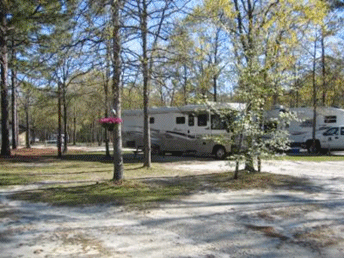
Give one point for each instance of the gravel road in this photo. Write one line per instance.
(307, 222)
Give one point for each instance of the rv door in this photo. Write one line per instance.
(175, 138)
(191, 131)
(198, 125)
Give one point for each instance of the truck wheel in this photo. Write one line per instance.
(220, 152)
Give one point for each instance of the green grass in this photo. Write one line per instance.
(12, 174)
(145, 193)
(77, 167)
(85, 179)
(19, 173)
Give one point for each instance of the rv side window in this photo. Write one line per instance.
(342, 131)
(217, 123)
(180, 120)
(330, 119)
(191, 120)
(202, 120)
(151, 120)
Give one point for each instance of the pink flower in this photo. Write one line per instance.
(110, 120)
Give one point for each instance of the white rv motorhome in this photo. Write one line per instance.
(326, 117)
(179, 130)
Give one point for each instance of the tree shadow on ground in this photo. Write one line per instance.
(146, 190)
(128, 158)
(243, 222)
(308, 154)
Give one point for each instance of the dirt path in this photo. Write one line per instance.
(285, 223)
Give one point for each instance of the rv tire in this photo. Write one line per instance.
(156, 150)
(311, 148)
(324, 151)
(220, 152)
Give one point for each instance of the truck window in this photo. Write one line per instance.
(202, 120)
(191, 120)
(180, 120)
(330, 119)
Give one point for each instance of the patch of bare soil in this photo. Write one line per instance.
(34, 155)
(34, 152)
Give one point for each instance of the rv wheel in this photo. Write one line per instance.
(220, 152)
(311, 148)
(156, 150)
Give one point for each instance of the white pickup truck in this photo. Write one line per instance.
(325, 140)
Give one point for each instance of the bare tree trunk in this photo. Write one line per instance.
(296, 88)
(216, 75)
(117, 141)
(14, 113)
(100, 136)
(65, 138)
(14, 106)
(185, 90)
(28, 134)
(5, 139)
(107, 145)
(106, 93)
(59, 115)
(323, 68)
(94, 133)
(146, 129)
(74, 128)
(215, 87)
(314, 93)
(236, 172)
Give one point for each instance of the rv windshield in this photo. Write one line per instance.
(218, 122)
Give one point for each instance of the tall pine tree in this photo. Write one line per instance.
(28, 23)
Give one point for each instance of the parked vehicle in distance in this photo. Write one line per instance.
(178, 130)
(326, 140)
(53, 139)
(326, 117)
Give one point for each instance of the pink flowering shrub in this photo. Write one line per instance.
(110, 122)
